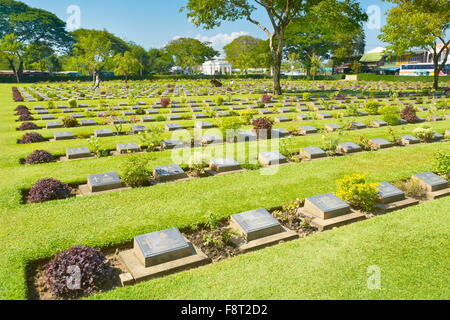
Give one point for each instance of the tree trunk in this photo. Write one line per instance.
(14, 70)
(436, 73)
(277, 77)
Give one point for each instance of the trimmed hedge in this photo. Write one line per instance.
(376, 77)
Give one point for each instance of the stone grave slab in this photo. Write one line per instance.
(379, 123)
(147, 119)
(124, 148)
(78, 153)
(137, 129)
(256, 224)
(279, 133)
(348, 147)
(332, 127)
(89, 122)
(203, 125)
(328, 211)
(271, 158)
(173, 127)
(161, 247)
(311, 153)
(222, 165)
(172, 144)
(48, 117)
(323, 116)
(307, 130)
(99, 133)
(104, 182)
(282, 119)
(63, 136)
(409, 139)
(379, 143)
(169, 173)
(53, 125)
(431, 182)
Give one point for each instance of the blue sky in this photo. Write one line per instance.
(153, 23)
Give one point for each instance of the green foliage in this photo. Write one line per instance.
(372, 106)
(391, 115)
(229, 126)
(73, 103)
(95, 146)
(216, 236)
(359, 193)
(247, 116)
(330, 141)
(412, 188)
(70, 122)
(152, 138)
(247, 52)
(306, 96)
(424, 133)
(134, 171)
(352, 110)
(442, 166)
(189, 52)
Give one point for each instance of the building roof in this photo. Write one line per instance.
(372, 57)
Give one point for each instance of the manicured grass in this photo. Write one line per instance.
(410, 247)
(31, 232)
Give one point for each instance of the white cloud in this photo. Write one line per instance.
(222, 39)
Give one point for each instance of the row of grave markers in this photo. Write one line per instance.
(163, 252)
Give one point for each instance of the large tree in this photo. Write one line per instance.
(28, 26)
(211, 13)
(420, 24)
(159, 61)
(126, 64)
(189, 52)
(94, 50)
(247, 52)
(333, 28)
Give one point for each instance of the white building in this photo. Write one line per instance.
(216, 66)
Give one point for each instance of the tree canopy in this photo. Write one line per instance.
(189, 52)
(247, 52)
(332, 28)
(419, 24)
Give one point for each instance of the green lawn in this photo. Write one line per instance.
(410, 247)
(31, 232)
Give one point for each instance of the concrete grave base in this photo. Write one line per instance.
(388, 207)
(328, 224)
(243, 246)
(438, 194)
(277, 165)
(117, 153)
(140, 273)
(215, 173)
(86, 191)
(65, 158)
(169, 180)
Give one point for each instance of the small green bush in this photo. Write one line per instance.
(442, 166)
(70, 122)
(372, 107)
(391, 115)
(73, 103)
(424, 133)
(134, 171)
(359, 193)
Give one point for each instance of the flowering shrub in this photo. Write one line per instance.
(443, 164)
(359, 193)
(372, 106)
(70, 122)
(390, 115)
(28, 126)
(47, 190)
(263, 125)
(17, 96)
(26, 117)
(424, 133)
(39, 156)
(90, 264)
(31, 137)
(409, 114)
(266, 98)
(134, 172)
(22, 110)
(165, 102)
